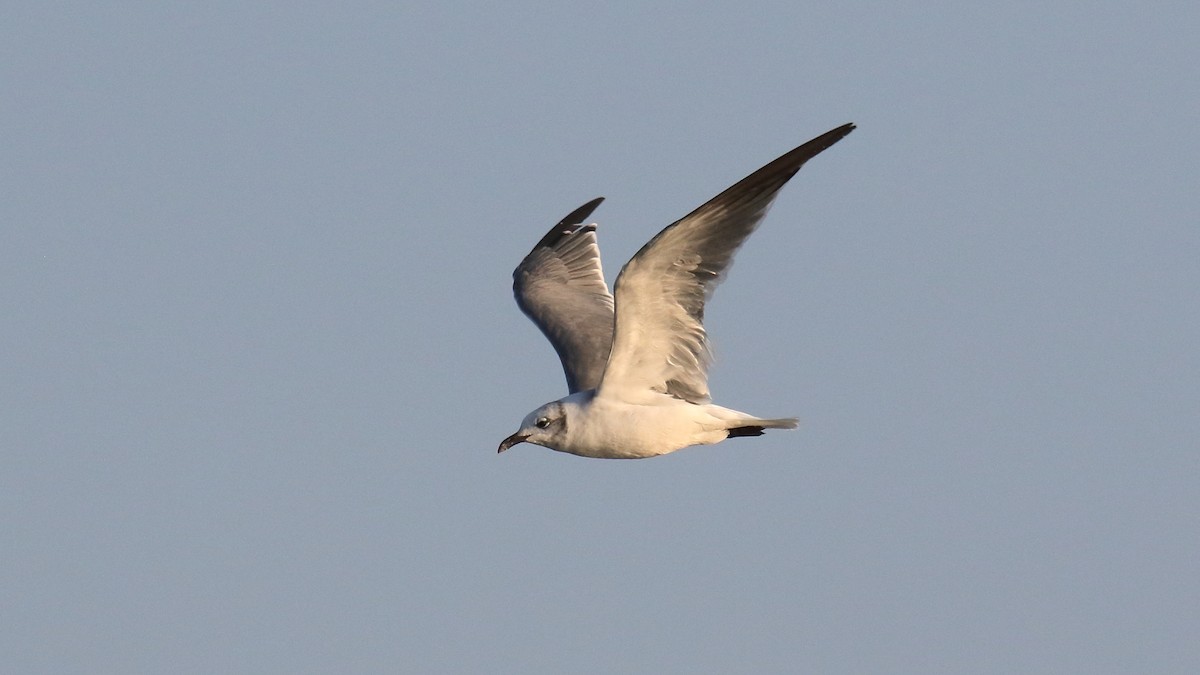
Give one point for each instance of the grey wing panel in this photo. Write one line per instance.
(560, 287)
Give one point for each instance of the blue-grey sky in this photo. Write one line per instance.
(258, 344)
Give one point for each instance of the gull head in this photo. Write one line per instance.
(546, 426)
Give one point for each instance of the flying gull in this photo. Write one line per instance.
(636, 360)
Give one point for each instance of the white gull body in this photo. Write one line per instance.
(636, 361)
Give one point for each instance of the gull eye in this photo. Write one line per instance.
(542, 422)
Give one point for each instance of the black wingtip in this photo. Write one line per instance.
(770, 178)
(824, 141)
(568, 224)
(580, 214)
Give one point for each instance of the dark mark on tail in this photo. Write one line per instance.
(745, 431)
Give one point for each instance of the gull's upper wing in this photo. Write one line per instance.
(560, 286)
(660, 343)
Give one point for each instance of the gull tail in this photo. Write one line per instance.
(755, 426)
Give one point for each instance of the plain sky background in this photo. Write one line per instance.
(258, 345)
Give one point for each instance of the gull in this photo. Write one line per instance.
(636, 360)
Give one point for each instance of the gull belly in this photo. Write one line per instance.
(614, 429)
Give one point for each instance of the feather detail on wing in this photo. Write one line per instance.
(560, 287)
(659, 342)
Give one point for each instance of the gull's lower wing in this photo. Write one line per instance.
(560, 287)
(659, 342)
